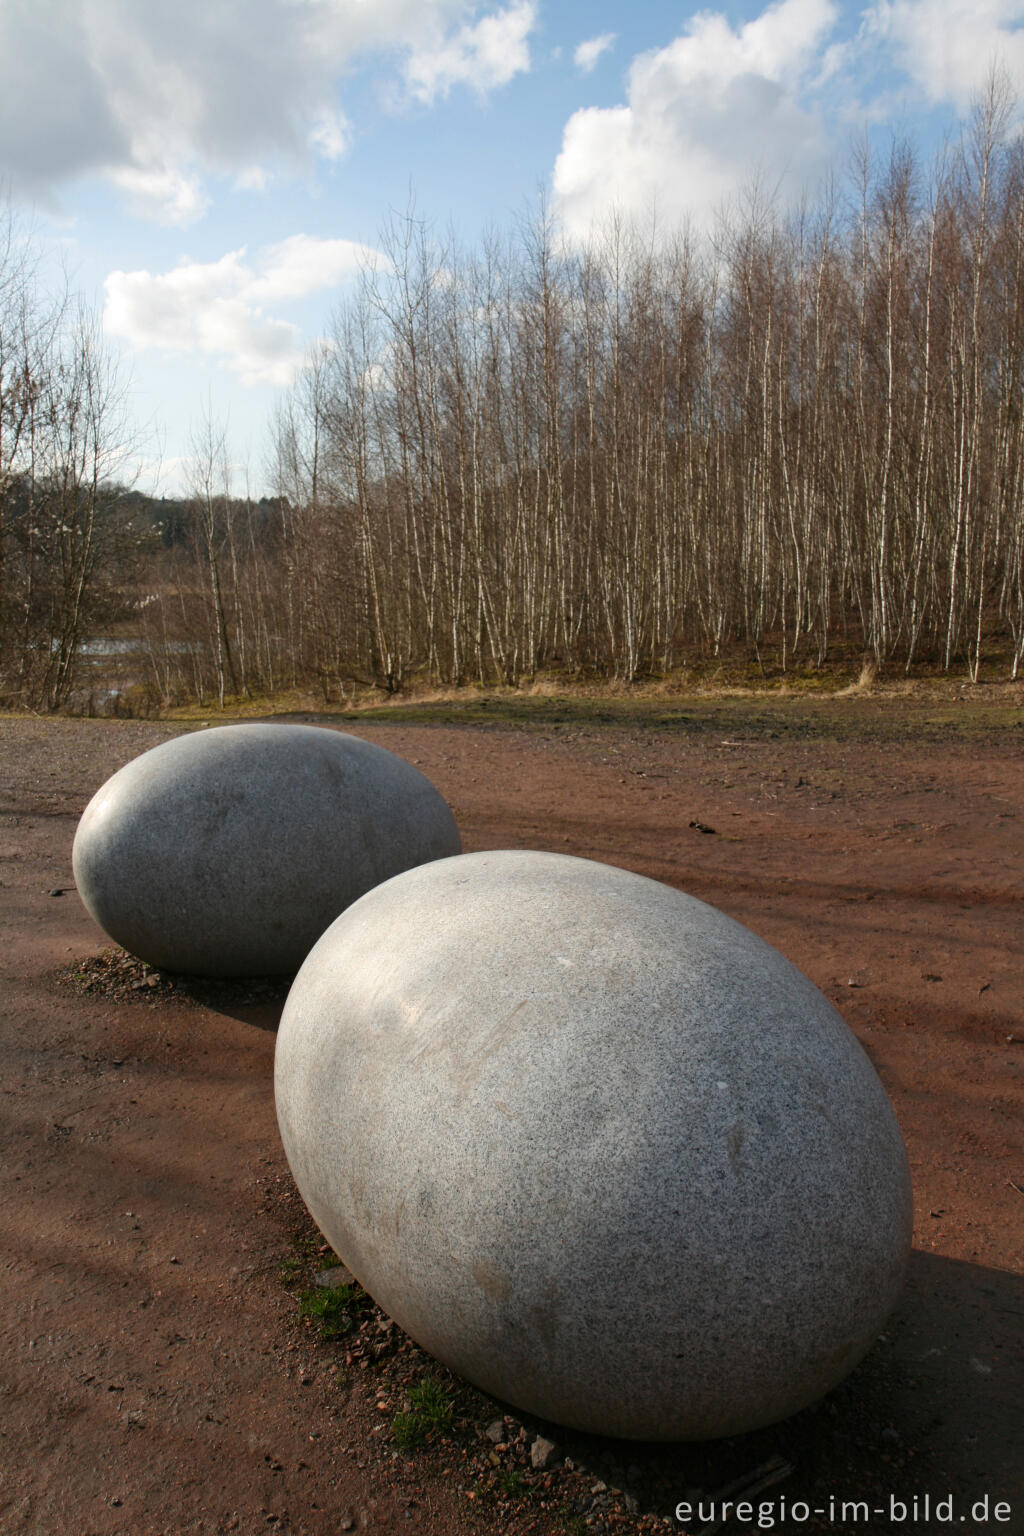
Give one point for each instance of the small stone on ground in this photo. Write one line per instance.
(544, 1454)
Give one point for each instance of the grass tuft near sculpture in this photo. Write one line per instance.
(227, 852)
(594, 1145)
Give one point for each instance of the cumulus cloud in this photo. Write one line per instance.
(715, 108)
(163, 193)
(948, 46)
(253, 178)
(485, 55)
(159, 96)
(218, 309)
(330, 135)
(303, 264)
(588, 53)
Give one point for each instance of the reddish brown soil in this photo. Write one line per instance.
(152, 1378)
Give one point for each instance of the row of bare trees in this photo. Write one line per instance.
(802, 435)
(62, 445)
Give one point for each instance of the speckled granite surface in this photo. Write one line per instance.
(595, 1145)
(227, 852)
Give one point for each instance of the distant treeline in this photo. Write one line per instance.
(801, 433)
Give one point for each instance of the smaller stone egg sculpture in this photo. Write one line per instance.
(227, 852)
(594, 1145)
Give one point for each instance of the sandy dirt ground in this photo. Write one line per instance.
(152, 1377)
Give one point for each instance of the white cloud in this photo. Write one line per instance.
(253, 178)
(714, 109)
(330, 134)
(158, 96)
(302, 264)
(588, 53)
(217, 308)
(164, 194)
(485, 55)
(949, 46)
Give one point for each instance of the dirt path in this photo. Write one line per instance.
(151, 1378)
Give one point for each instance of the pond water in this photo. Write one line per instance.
(108, 645)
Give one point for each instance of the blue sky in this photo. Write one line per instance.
(212, 171)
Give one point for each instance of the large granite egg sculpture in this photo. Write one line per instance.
(227, 852)
(594, 1145)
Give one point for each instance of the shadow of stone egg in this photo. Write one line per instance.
(594, 1145)
(227, 852)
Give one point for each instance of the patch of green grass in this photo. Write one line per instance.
(336, 1312)
(431, 1398)
(895, 712)
(512, 1484)
(430, 1413)
(305, 1252)
(307, 1242)
(408, 1431)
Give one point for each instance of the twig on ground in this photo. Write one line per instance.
(749, 1486)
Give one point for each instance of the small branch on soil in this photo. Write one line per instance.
(748, 1487)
